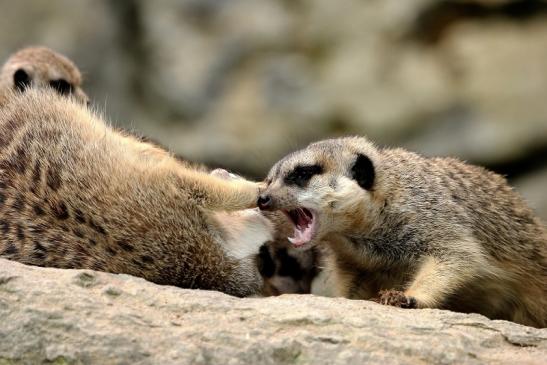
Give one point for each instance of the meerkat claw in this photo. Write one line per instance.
(396, 298)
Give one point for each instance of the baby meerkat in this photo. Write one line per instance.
(75, 193)
(285, 269)
(41, 67)
(415, 232)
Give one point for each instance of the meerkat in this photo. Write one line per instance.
(41, 67)
(73, 194)
(285, 270)
(414, 232)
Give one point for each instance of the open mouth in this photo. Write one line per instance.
(304, 225)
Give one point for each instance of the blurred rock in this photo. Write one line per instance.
(194, 46)
(534, 189)
(52, 316)
(500, 88)
(316, 69)
(240, 83)
(90, 33)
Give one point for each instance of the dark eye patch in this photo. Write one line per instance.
(301, 175)
(363, 172)
(63, 87)
(21, 79)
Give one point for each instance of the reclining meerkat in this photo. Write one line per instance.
(75, 194)
(41, 67)
(417, 232)
(285, 270)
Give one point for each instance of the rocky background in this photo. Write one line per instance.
(239, 83)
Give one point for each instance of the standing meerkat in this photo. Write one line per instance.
(41, 67)
(75, 194)
(417, 232)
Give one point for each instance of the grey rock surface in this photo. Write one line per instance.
(51, 316)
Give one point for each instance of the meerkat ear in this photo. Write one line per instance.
(21, 79)
(362, 172)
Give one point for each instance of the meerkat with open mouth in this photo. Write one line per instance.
(414, 232)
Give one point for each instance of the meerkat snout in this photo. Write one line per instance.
(264, 202)
(303, 219)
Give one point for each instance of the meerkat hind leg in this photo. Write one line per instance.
(434, 281)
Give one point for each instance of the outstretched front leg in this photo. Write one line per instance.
(216, 193)
(435, 280)
(247, 230)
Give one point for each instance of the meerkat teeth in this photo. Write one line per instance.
(303, 231)
(301, 217)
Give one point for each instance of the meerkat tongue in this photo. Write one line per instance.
(303, 225)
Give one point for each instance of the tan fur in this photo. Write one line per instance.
(43, 66)
(429, 232)
(76, 194)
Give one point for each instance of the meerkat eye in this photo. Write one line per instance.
(362, 172)
(62, 86)
(301, 175)
(21, 79)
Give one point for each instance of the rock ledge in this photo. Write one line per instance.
(82, 317)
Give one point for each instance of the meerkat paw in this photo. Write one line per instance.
(396, 298)
(225, 174)
(230, 176)
(241, 181)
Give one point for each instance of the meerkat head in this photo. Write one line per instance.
(325, 188)
(41, 67)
